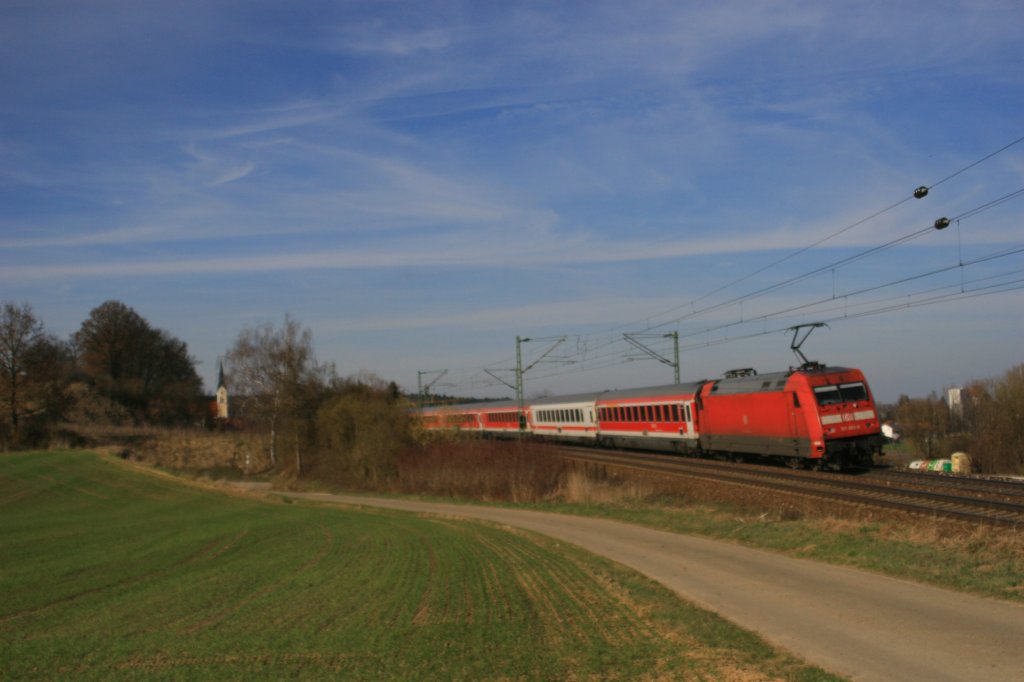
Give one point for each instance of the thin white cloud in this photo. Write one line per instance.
(452, 252)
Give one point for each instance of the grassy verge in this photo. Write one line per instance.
(110, 574)
(979, 559)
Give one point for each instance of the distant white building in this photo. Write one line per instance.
(955, 401)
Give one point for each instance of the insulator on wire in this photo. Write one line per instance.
(942, 223)
(921, 192)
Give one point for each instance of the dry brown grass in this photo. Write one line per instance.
(489, 470)
(183, 449)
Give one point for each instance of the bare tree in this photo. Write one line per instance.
(20, 331)
(994, 410)
(277, 374)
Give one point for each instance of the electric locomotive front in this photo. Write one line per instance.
(811, 416)
(844, 420)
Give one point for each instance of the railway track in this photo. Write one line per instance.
(971, 500)
(1007, 490)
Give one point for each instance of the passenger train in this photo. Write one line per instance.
(813, 416)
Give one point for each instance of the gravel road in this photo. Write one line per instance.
(853, 623)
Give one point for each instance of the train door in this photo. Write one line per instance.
(797, 425)
(688, 414)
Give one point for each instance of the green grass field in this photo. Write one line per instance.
(110, 573)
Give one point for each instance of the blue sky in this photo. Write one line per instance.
(421, 182)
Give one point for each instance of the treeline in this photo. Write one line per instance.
(118, 370)
(988, 424)
(116, 367)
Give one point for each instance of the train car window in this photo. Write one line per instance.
(648, 416)
(796, 400)
(689, 417)
(658, 415)
(853, 392)
(827, 395)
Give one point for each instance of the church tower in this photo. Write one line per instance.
(222, 395)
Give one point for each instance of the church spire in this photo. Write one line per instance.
(222, 394)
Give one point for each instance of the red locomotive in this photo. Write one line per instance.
(813, 415)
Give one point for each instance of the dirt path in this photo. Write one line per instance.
(854, 623)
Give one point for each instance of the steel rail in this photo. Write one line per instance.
(982, 486)
(905, 499)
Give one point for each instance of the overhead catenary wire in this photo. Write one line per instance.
(602, 354)
(838, 232)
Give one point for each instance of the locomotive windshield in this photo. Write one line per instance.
(845, 393)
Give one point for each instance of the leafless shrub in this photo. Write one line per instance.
(359, 436)
(995, 413)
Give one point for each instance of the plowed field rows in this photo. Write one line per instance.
(106, 573)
